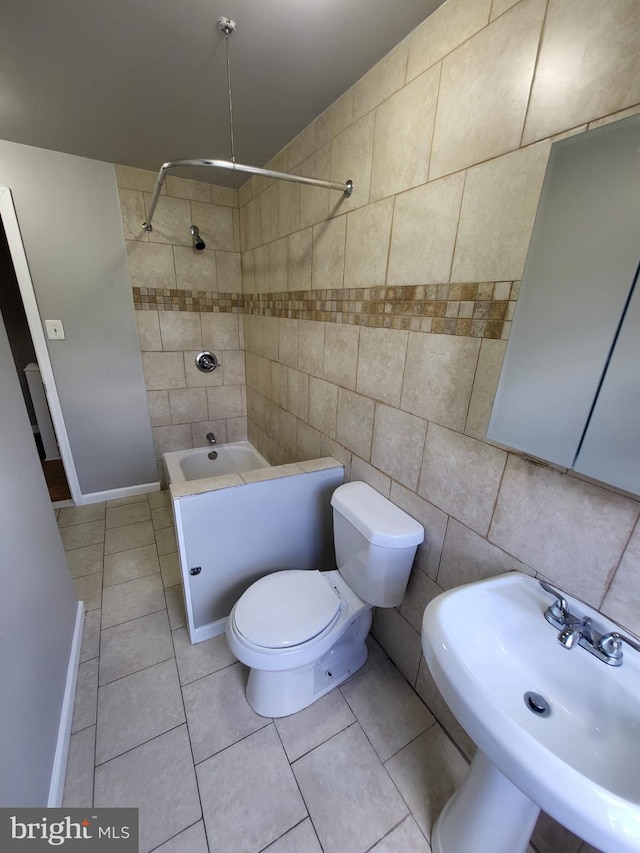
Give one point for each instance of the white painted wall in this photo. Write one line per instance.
(38, 607)
(71, 227)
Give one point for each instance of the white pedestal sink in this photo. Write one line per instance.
(488, 646)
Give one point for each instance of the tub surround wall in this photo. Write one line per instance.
(375, 326)
(281, 514)
(186, 301)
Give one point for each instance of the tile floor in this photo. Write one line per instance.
(164, 726)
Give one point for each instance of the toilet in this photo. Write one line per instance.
(303, 632)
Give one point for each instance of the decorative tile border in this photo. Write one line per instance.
(158, 299)
(477, 310)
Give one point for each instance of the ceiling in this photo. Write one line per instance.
(140, 82)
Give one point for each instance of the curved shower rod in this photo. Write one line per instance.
(346, 188)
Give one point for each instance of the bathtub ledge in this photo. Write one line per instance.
(275, 472)
(257, 475)
(320, 464)
(206, 484)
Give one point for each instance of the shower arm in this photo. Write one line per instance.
(346, 188)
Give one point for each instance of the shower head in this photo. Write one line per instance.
(198, 242)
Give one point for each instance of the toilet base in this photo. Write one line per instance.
(279, 694)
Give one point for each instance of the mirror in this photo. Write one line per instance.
(569, 390)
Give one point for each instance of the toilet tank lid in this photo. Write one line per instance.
(377, 519)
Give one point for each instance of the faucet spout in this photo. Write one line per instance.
(211, 438)
(579, 631)
(576, 631)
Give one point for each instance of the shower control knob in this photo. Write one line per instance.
(195, 570)
(206, 362)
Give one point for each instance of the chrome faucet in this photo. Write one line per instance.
(568, 637)
(579, 631)
(611, 645)
(574, 631)
(211, 438)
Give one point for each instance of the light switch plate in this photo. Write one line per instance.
(55, 330)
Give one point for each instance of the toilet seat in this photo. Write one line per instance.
(286, 609)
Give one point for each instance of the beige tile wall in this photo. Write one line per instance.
(446, 140)
(187, 301)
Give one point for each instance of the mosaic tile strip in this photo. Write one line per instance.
(479, 310)
(157, 299)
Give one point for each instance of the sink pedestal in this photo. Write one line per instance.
(487, 812)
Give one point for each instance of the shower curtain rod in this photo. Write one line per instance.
(346, 188)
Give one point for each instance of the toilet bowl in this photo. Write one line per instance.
(303, 632)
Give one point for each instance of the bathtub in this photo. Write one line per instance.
(183, 465)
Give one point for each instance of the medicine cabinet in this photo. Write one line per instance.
(569, 390)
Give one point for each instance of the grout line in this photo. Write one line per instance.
(268, 722)
(271, 844)
(138, 745)
(615, 568)
(186, 722)
(135, 671)
(129, 580)
(435, 117)
(133, 618)
(195, 823)
(393, 829)
(329, 739)
(99, 664)
(495, 502)
(453, 49)
(459, 749)
(465, 172)
(206, 674)
(423, 458)
(534, 72)
(462, 430)
(85, 575)
(306, 805)
(436, 580)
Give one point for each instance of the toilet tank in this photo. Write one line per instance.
(375, 543)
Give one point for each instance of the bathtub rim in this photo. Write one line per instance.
(171, 462)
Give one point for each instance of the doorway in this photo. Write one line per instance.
(19, 312)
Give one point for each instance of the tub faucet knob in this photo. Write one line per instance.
(211, 438)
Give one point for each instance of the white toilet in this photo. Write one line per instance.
(303, 632)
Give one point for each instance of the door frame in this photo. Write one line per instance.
(25, 284)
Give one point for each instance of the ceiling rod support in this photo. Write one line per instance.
(346, 188)
(228, 27)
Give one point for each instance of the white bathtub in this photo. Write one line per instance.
(183, 465)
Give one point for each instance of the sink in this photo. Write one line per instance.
(571, 749)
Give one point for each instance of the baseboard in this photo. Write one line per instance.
(62, 504)
(56, 786)
(206, 632)
(114, 494)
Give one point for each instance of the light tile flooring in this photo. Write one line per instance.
(164, 726)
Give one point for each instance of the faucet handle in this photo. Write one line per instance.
(611, 644)
(560, 607)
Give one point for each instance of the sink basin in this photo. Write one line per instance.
(487, 646)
